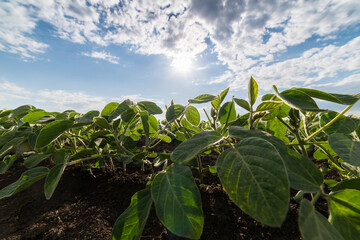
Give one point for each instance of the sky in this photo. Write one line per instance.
(74, 54)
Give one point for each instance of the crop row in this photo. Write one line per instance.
(261, 155)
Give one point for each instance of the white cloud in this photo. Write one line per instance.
(247, 35)
(60, 100)
(102, 55)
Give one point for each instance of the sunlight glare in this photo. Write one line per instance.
(182, 64)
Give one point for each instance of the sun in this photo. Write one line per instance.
(182, 64)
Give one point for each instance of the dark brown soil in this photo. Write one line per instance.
(85, 206)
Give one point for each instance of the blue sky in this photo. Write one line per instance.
(60, 55)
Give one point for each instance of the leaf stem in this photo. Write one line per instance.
(329, 123)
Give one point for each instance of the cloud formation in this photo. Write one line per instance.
(249, 36)
(102, 55)
(61, 100)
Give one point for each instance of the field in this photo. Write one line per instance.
(284, 170)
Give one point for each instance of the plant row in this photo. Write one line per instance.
(261, 155)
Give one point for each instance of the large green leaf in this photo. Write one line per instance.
(26, 179)
(314, 226)
(254, 176)
(35, 159)
(194, 145)
(10, 145)
(331, 97)
(32, 116)
(174, 111)
(192, 115)
(345, 213)
(349, 125)
(242, 103)
(52, 131)
(203, 98)
(252, 91)
(227, 113)
(53, 179)
(346, 148)
(109, 108)
(178, 202)
(303, 174)
(151, 107)
(131, 222)
(297, 99)
(21, 111)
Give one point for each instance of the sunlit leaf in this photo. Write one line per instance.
(314, 226)
(174, 111)
(192, 115)
(26, 179)
(131, 222)
(151, 107)
(194, 145)
(51, 132)
(346, 148)
(345, 213)
(242, 103)
(203, 98)
(254, 176)
(252, 91)
(178, 202)
(53, 179)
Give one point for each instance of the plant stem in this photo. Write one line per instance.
(329, 123)
(89, 158)
(331, 158)
(200, 169)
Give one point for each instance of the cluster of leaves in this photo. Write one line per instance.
(261, 155)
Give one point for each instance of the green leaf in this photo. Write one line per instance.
(353, 183)
(109, 108)
(319, 154)
(59, 156)
(277, 128)
(153, 124)
(6, 163)
(190, 127)
(303, 174)
(35, 159)
(254, 176)
(174, 111)
(242, 103)
(165, 138)
(314, 226)
(9, 146)
(345, 213)
(88, 117)
(144, 115)
(349, 125)
(131, 222)
(102, 122)
(21, 111)
(220, 98)
(53, 179)
(52, 131)
(268, 105)
(151, 107)
(346, 148)
(203, 98)
(32, 116)
(122, 107)
(194, 145)
(26, 179)
(252, 91)
(227, 113)
(297, 99)
(331, 97)
(192, 115)
(178, 202)
(128, 115)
